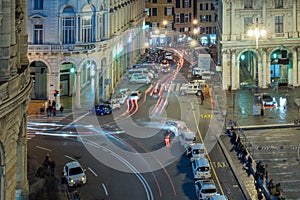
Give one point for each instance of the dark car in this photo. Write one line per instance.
(103, 109)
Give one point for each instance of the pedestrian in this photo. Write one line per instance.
(167, 141)
(52, 167)
(54, 111)
(259, 194)
(270, 185)
(47, 161)
(201, 97)
(61, 109)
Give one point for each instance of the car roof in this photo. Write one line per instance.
(73, 164)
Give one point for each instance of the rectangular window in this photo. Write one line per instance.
(154, 11)
(278, 3)
(247, 22)
(38, 4)
(169, 1)
(177, 18)
(186, 18)
(154, 24)
(154, 1)
(177, 4)
(186, 4)
(181, 18)
(68, 30)
(201, 6)
(86, 29)
(279, 24)
(248, 4)
(168, 11)
(38, 34)
(212, 6)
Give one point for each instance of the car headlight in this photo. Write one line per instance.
(83, 178)
(71, 180)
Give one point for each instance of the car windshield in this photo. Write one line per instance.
(203, 169)
(209, 190)
(134, 94)
(75, 171)
(267, 98)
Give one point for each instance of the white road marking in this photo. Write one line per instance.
(43, 148)
(93, 172)
(70, 157)
(105, 190)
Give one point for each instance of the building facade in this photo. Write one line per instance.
(15, 88)
(74, 45)
(206, 15)
(269, 59)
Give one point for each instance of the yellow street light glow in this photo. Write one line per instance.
(195, 21)
(165, 22)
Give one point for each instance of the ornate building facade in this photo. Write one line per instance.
(15, 87)
(74, 45)
(274, 56)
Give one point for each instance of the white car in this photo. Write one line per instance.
(134, 95)
(139, 78)
(205, 189)
(74, 174)
(201, 169)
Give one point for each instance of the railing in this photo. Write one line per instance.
(66, 48)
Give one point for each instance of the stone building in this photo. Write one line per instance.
(15, 87)
(78, 44)
(262, 60)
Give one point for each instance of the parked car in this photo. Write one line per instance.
(267, 100)
(205, 189)
(135, 95)
(103, 109)
(143, 71)
(119, 98)
(140, 78)
(191, 88)
(201, 169)
(195, 151)
(74, 174)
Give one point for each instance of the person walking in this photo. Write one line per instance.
(201, 97)
(61, 109)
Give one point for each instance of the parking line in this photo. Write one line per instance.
(105, 190)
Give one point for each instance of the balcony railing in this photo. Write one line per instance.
(66, 48)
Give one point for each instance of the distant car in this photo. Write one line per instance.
(168, 56)
(267, 100)
(165, 66)
(134, 95)
(140, 78)
(74, 174)
(103, 109)
(205, 189)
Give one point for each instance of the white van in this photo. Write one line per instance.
(201, 169)
(140, 71)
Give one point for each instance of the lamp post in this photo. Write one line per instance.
(256, 32)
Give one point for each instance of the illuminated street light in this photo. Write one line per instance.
(165, 23)
(256, 32)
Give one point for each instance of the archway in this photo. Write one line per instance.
(247, 69)
(67, 79)
(39, 74)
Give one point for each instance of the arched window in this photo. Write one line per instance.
(87, 21)
(68, 25)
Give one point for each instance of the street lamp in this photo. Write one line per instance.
(256, 32)
(165, 23)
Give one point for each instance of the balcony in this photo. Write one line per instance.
(66, 48)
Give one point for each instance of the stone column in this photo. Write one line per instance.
(97, 87)
(105, 27)
(264, 69)
(295, 69)
(295, 19)
(225, 70)
(22, 182)
(234, 71)
(77, 95)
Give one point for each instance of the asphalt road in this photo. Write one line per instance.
(132, 162)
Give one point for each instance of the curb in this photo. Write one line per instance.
(233, 168)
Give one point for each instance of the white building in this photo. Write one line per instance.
(76, 44)
(277, 52)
